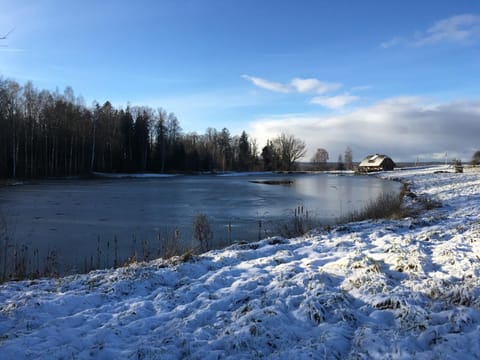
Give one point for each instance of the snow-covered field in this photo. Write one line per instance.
(403, 289)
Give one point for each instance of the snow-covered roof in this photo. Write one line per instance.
(373, 160)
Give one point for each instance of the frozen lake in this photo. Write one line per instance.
(83, 224)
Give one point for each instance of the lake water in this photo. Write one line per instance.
(82, 224)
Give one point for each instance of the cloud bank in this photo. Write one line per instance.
(456, 29)
(405, 128)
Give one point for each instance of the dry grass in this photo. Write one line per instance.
(385, 206)
(429, 204)
(298, 225)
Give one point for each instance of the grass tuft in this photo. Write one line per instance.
(385, 206)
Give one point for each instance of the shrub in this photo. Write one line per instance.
(202, 231)
(385, 206)
(169, 243)
(429, 204)
(298, 225)
(476, 158)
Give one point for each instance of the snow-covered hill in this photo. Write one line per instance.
(369, 290)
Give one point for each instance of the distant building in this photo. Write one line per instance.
(376, 163)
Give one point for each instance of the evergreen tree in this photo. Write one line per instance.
(476, 158)
(244, 155)
(161, 140)
(268, 157)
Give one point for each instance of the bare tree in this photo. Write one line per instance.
(320, 158)
(289, 149)
(348, 158)
(14, 117)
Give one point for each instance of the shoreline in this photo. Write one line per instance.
(147, 175)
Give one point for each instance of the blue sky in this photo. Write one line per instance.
(379, 76)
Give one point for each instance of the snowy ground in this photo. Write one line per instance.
(370, 290)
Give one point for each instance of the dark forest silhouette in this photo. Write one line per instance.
(49, 134)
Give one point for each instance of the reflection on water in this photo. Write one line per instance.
(93, 223)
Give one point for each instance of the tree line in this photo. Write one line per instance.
(47, 134)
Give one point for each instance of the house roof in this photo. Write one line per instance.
(373, 160)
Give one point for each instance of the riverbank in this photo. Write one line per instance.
(404, 288)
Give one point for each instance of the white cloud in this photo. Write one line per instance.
(456, 29)
(403, 127)
(313, 86)
(310, 86)
(268, 85)
(297, 85)
(334, 102)
(392, 42)
(361, 88)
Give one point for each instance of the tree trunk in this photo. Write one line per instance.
(92, 160)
